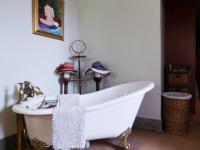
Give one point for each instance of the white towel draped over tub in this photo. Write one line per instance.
(69, 127)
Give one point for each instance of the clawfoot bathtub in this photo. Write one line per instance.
(110, 113)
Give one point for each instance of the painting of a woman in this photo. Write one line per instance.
(50, 18)
(49, 14)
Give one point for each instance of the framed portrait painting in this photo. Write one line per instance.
(48, 18)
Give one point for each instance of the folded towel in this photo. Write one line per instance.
(68, 127)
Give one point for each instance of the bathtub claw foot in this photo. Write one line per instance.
(87, 145)
(123, 139)
(39, 145)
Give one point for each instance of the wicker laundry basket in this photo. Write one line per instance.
(176, 112)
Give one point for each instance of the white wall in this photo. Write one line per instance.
(126, 35)
(25, 56)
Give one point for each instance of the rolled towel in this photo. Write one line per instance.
(69, 127)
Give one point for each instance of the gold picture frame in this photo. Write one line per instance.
(48, 18)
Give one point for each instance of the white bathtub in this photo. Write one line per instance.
(109, 112)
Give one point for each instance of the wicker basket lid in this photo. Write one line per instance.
(177, 95)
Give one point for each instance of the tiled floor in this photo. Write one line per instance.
(149, 140)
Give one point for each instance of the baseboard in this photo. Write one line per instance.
(148, 124)
(8, 143)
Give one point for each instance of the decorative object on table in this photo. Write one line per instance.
(67, 68)
(98, 71)
(27, 90)
(48, 18)
(77, 49)
(65, 71)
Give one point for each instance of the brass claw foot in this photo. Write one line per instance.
(39, 145)
(123, 139)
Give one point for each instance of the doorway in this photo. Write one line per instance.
(197, 3)
(180, 37)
